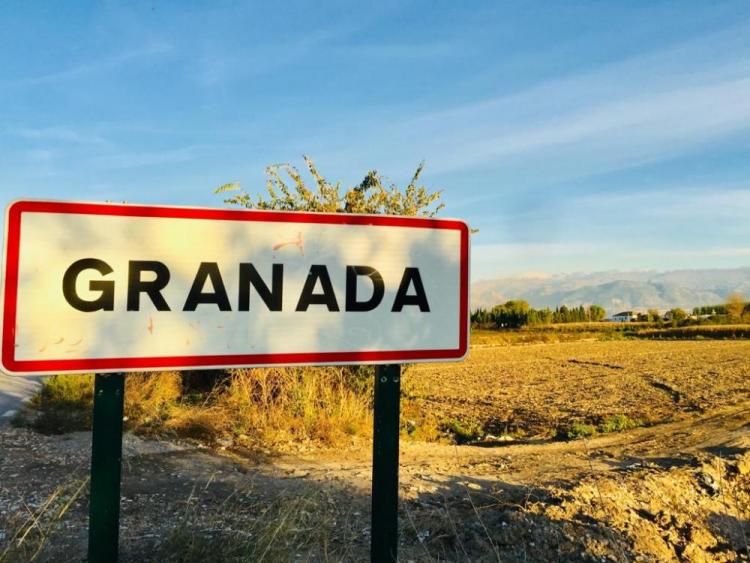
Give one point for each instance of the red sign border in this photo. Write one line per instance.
(10, 294)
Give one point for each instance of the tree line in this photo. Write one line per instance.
(735, 309)
(517, 313)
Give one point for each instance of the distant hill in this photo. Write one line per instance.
(616, 291)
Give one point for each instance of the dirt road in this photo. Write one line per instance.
(14, 390)
(676, 491)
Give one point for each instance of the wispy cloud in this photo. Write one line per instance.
(217, 66)
(704, 202)
(622, 114)
(130, 159)
(623, 132)
(56, 135)
(96, 65)
(411, 51)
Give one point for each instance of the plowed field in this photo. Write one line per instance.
(531, 390)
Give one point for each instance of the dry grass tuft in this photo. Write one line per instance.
(277, 404)
(150, 398)
(290, 526)
(30, 536)
(268, 406)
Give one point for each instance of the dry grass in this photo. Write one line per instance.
(297, 403)
(715, 332)
(65, 402)
(258, 406)
(275, 405)
(151, 397)
(290, 526)
(564, 332)
(31, 534)
(571, 332)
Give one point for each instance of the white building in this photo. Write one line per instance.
(625, 317)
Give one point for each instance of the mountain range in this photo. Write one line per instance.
(615, 290)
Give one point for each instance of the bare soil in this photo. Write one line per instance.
(533, 389)
(675, 490)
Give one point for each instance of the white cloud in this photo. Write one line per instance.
(714, 202)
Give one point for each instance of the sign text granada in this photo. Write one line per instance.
(105, 287)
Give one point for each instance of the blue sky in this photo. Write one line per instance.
(577, 136)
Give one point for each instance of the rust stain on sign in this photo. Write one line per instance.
(294, 242)
(150, 326)
(73, 346)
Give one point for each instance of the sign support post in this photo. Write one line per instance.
(106, 464)
(384, 537)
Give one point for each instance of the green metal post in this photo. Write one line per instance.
(384, 541)
(106, 463)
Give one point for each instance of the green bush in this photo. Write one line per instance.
(618, 423)
(575, 430)
(64, 404)
(462, 431)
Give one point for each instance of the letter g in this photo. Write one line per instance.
(105, 301)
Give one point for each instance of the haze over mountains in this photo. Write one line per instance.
(616, 291)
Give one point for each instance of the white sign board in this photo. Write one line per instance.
(105, 287)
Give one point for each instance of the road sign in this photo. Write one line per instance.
(111, 287)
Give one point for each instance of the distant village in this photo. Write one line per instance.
(654, 315)
(517, 313)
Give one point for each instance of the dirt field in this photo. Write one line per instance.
(675, 489)
(531, 390)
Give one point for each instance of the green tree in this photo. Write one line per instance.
(480, 316)
(545, 315)
(735, 305)
(678, 314)
(562, 314)
(512, 314)
(287, 191)
(596, 313)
